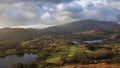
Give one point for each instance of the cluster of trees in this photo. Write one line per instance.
(33, 46)
(40, 44)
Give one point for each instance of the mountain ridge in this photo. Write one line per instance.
(87, 25)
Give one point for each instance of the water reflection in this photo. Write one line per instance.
(5, 62)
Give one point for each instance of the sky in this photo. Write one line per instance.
(46, 13)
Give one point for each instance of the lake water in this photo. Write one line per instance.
(94, 41)
(5, 62)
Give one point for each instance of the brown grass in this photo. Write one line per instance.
(101, 65)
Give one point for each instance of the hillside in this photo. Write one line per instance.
(87, 29)
(87, 25)
(16, 34)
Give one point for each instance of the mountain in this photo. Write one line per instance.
(75, 30)
(87, 25)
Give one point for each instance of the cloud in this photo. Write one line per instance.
(49, 1)
(56, 12)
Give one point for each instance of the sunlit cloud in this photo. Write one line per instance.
(55, 12)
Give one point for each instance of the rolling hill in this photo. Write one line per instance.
(16, 34)
(74, 30)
